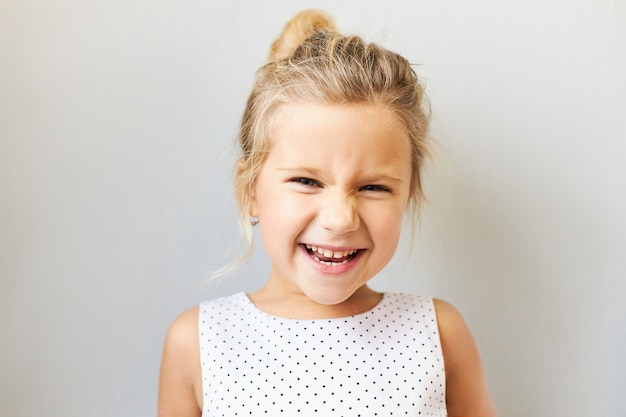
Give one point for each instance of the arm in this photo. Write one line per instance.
(180, 383)
(467, 394)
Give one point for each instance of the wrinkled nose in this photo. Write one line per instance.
(339, 215)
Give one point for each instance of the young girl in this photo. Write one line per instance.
(333, 139)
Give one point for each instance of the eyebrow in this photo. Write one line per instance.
(301, 169)
(369, 178)
(375, 178)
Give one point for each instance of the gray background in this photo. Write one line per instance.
(116, 126)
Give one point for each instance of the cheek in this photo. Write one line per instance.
(386, 227)
(283, 206)
(283, 214)
(392, 234)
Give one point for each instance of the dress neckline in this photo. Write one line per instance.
(249, 305)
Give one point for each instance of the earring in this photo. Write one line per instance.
(254, 222)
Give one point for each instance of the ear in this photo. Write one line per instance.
(252, 207)
(245, 190)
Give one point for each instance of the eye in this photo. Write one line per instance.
(305, 181)
(376, 188)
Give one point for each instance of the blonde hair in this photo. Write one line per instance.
(310, 61)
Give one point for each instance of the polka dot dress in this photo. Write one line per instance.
(384, 362)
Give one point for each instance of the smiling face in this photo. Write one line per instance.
(331, 197)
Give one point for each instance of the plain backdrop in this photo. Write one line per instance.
(117, 120)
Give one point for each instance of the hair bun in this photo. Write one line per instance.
(297, 30)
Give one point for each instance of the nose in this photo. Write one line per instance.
(339, 214)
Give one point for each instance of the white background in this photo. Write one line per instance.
(116, 125)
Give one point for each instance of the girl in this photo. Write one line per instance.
(333, 140)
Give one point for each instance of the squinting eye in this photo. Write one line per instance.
(373, 187)
(306, 181)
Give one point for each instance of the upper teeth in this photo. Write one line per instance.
(327, 253)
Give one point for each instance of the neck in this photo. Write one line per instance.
(296, 305)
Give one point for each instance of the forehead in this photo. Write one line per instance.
(340, 136)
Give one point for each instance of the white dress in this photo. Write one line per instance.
(384, 362)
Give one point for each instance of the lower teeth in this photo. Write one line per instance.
(333, 263)
(329, 263)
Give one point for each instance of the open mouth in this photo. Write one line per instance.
(329, 257)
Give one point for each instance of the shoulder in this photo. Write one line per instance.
(183, 330)
(450, 320)
(467, 392)
(182, 343)
(180, 380)
(406, 300)
(455, 335)
(456, 338)
(223, 305)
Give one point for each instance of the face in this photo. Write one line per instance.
(331, 196)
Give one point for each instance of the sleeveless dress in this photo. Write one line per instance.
(384, 362)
